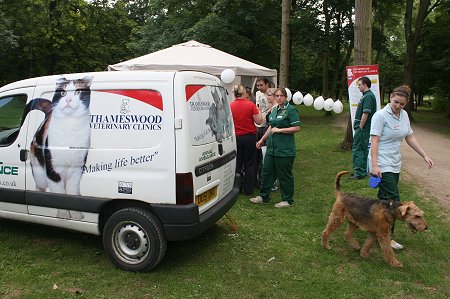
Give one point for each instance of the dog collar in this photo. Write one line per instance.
(391, 207)
(391, 204)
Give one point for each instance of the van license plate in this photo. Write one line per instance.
(206, 196)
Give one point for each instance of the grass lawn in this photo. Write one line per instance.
(276, 253)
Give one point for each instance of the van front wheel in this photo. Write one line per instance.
(134, 240)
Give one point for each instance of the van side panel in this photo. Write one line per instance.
(137, 131)
(206, 148)
(207, 139)
(123, 149)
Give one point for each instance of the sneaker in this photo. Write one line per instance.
(395, 245)
(282, 204)
(258, 200)
(274, 187)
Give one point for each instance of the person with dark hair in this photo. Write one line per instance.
(390, 126)
(284, 121)
(248, 94)
(245, 115)
(367, 107)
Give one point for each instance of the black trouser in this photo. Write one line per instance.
(245, 161)
(259, 157)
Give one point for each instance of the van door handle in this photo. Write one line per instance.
(23, 155)
(220, 149)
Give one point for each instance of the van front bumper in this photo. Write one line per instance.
(183, 222)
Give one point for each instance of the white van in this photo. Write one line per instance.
(137, 157)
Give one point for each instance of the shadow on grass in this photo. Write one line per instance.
(48, 241)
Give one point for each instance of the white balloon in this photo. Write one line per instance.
(319, 103)
(329, 103)
(289, 94)
(308, 100)
(338, 107)
(297, 98)
(227, 76)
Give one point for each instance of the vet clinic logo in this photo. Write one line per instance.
(126, 121)
(125, 107)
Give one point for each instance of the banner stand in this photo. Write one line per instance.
(354, 95)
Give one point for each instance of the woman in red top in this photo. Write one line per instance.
(245, 115)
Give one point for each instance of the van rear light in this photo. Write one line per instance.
(185, 188)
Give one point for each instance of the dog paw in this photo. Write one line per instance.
(396, 264)
(364, 254)
(356, 246)
(326, 246)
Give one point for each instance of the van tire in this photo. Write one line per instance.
(134, 240)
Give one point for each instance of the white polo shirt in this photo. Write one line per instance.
(392, 130)
(263, 105)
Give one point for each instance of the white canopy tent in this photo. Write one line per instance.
(196, 56)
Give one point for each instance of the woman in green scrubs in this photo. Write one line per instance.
(284, 121)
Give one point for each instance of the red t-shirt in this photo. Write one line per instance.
(243, 111)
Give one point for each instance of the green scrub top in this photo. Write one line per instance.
(367, 104)
(280, 144)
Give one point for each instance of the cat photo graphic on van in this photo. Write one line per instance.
(66, 125)
(219, 115)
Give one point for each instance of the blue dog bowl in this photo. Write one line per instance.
(374, 181)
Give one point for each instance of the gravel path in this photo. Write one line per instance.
(434, 182)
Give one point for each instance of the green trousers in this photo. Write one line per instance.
(388, 189)
(281, 168)
(360, 151)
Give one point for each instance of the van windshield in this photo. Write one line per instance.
(209, 114)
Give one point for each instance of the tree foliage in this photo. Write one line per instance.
(433, 67)
(63, 36)
(244, 28)
(41, 37)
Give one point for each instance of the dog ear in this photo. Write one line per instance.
(403, 209)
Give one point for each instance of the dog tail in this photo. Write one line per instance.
(337, 181)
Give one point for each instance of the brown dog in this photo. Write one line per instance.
(372, 215)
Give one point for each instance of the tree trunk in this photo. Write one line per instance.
(363, 46)
(338, 58)
(420, 99)
(285, 43)
(326, 53)
(363, 32)
(343, 83)
(325, 62)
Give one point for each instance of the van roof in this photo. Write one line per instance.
(127, 75)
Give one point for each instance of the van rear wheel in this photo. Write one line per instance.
(134, 240)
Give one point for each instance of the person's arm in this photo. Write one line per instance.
(294, 122)
(414, 144)
(374, 141)
(257, 118)
(263, 138)
(290, 130)
(363, 121)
